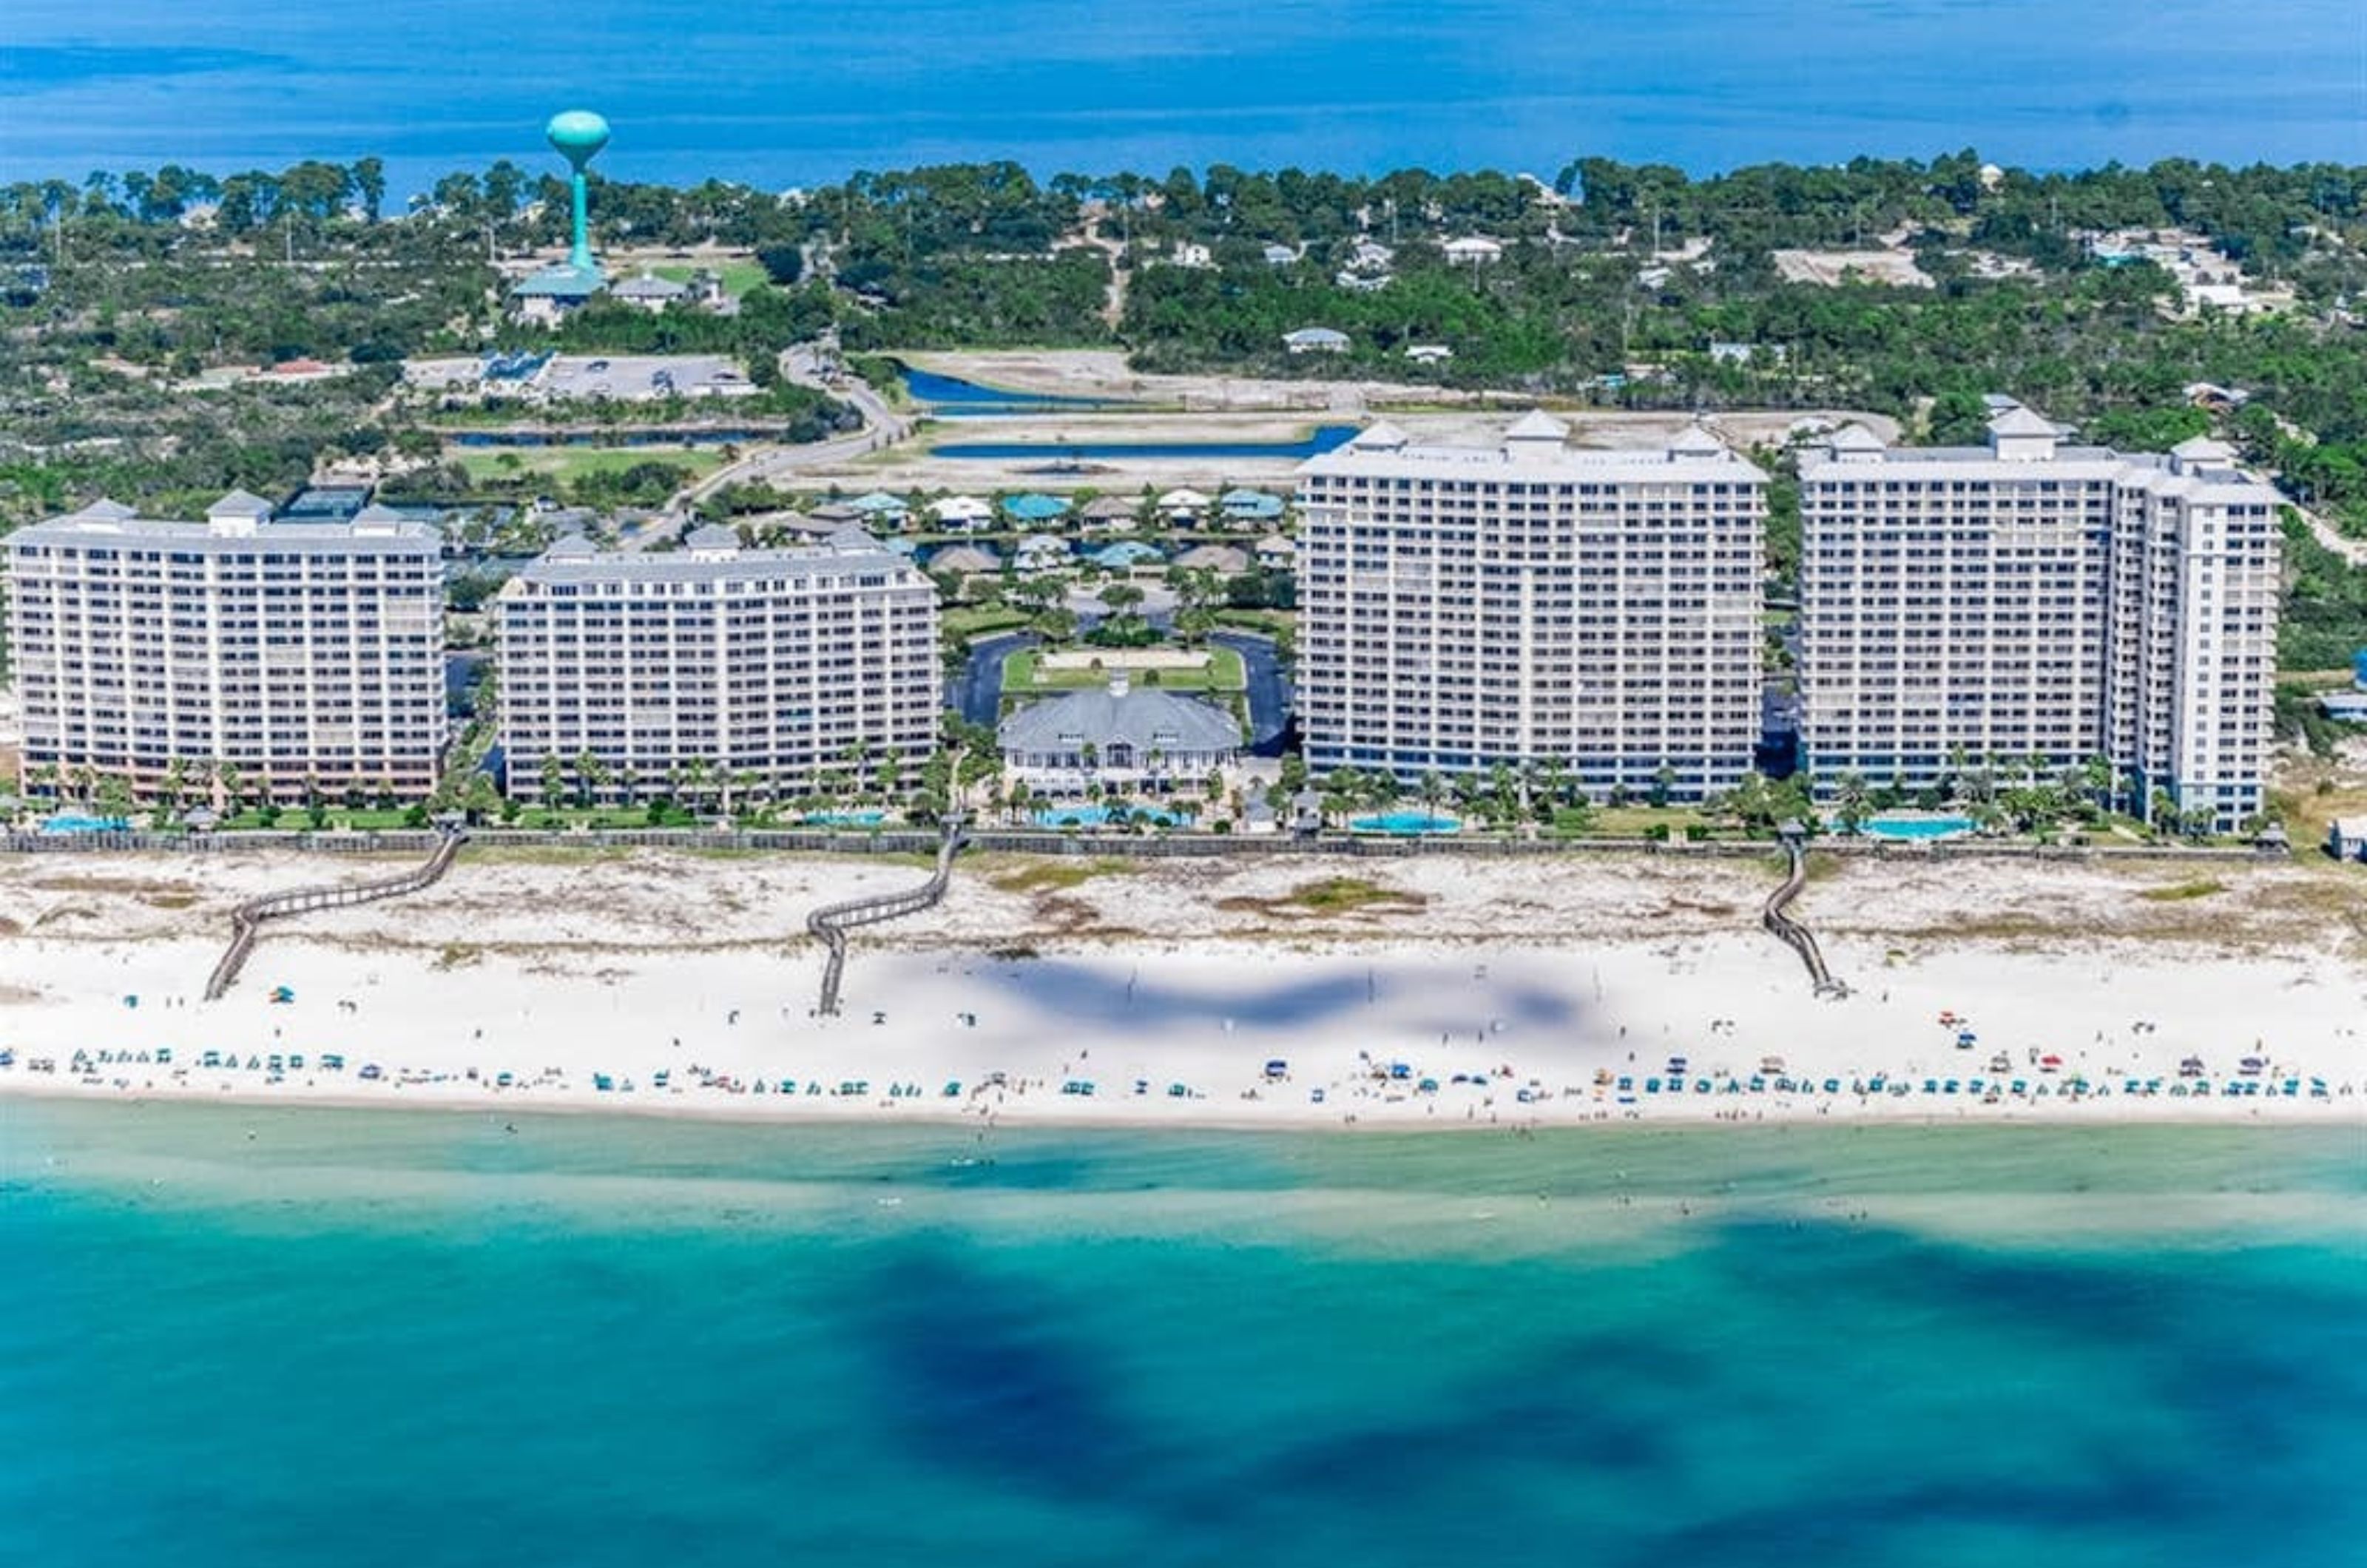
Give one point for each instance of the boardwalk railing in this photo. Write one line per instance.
(1794, 935)
(248, 918)
(833, 921)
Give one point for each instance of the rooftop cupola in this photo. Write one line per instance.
(238, 514)
(1535, 433)
(2018, 436)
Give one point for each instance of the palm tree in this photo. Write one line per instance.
(554, 781)
(738, 786)
(1850, 800)
(856, 755)
(2097, 775)
(590, 775)
(114, 797)
(1433, 790)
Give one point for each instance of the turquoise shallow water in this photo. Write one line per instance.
(423, 1339)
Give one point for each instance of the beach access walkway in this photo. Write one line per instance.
(1790, 932)
(833, 921)
(246, 920)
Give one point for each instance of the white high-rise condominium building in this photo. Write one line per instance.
(1594, 611)
(302, 655)
(762, 666)
(2033, 599)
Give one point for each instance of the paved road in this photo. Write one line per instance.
(1269, 690)
(976, 692)
(882, 426)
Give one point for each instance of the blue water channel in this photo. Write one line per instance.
(951, 396)
(1325, 438)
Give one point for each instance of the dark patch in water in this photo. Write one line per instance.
(986, 1375)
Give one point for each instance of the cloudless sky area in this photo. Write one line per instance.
(791, 93)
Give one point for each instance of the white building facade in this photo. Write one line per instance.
(1594, 611)
(770, 667)
(305, 656)
(2035, 600)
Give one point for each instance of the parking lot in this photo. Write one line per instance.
(630, 378)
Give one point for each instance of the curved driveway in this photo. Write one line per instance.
(975, 692)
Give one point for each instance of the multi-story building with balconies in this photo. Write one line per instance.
(1595, 612)
(1969, 606)
(763, 668)
(294, 657)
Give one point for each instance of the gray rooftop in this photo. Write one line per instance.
(105, 522)
(714, 556)
(648, 286)
(2209, 466)
(1532, 449)
(561, 282)
(1146, 720)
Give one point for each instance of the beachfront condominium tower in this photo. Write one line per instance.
(1968, 608)
(286, 657)
(1592, 612)
(716, 669)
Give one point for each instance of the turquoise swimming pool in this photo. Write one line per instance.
(75, 822)
(1406, 824)
(1916, 827)
(846, 818)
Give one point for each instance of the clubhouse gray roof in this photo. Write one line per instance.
(1145, 718)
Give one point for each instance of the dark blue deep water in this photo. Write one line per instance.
(241, 1338)
(797, 94)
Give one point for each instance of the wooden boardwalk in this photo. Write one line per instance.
(1790, 932)
(248, 918)
(833, 921)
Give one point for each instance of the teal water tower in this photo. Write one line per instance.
(578, 135)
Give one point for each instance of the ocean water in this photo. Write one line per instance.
(233, 1337)
(783, 94)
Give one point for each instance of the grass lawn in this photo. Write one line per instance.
(739, 276)
(575, 462)
(1223, 672)
(976, 620)
(1634, 821)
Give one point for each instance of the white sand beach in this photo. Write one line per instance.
(1442, 992)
